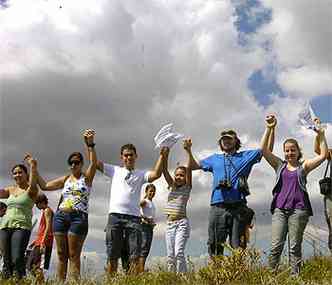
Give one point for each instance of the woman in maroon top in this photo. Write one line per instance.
(290, 204)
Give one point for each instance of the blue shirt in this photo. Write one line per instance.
(233, 166)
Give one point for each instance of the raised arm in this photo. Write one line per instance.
(267, 138)
(187, 143)
(317, 144)
(33, 177)
(92, 156)
(166, 174)
(193, 162)
(54, 184)
(155, 173)
(270, 143)
(311, 164)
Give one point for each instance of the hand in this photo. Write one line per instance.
(187, 143)
(318, 129)
(89, 135)
(164, 151)
(271, 121)
(30, 160)
(329, 155)
(317, 121)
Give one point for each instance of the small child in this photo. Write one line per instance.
(178, 228)
(148, 212)
(40, 256)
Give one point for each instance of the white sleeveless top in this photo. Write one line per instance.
(149, 210)
(76, 195)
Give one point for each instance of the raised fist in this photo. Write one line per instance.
(271, 121)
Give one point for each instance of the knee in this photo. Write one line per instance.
(17, 260)
(179, 253)
(74, 256)
(62, 256)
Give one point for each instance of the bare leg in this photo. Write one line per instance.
(75, 244)
(141, 264)
(63, 254)
(135, 267)
(112, 266)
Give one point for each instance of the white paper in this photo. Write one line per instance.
(307, 116)
(166, 137)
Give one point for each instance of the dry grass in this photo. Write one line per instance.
(242, 267)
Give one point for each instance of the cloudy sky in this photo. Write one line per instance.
(125, 68)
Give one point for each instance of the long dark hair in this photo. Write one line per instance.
(22, 166)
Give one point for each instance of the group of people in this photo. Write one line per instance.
(131, 220)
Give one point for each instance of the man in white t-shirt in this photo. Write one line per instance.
(123, 228)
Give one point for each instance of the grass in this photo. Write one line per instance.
(242, 267)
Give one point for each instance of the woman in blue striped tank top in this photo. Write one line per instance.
(70, 222)
(178, 227)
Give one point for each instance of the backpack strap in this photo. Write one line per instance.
(327, 168)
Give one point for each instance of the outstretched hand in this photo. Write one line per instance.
(164, 151)
(187, 144)
(89, 135)
(318, 129)
(30, 160)
(271, 121)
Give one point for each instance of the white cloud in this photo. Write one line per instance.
(306, 81)
(301, 39)
(125, 68)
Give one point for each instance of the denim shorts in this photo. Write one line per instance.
(75, 223)
(147, 236)
(123, 233)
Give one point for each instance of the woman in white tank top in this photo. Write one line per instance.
(70, 222)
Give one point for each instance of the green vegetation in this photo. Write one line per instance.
(242, 267)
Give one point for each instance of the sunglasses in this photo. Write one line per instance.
(75, 162)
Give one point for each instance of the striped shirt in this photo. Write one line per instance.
(177, 202)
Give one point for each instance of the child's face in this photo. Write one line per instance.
(150, 193)
(291, 152)
(180, 177)
(128, 158)
(41, 205)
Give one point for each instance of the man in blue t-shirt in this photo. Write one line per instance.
(229, 212)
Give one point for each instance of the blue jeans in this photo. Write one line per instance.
(123, 234)
(292, 222)
(224, 221)
(328, 216)
(147, 236)
(13, 243)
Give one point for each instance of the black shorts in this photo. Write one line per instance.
(123, 232)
